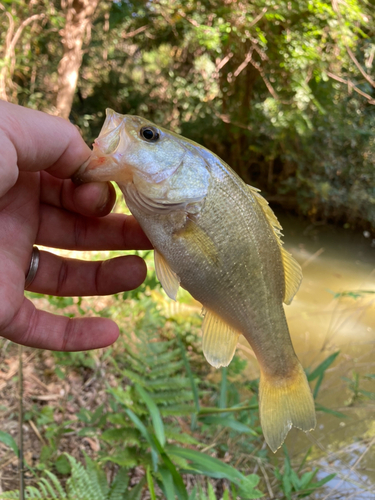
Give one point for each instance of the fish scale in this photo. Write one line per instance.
(217, 238)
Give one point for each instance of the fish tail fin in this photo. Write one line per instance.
(283, 403)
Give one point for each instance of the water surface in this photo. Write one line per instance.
(334, 261)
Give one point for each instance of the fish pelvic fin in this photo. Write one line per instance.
(219, 340)
(284, 403)
(168, 278)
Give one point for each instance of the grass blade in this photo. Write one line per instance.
(223, 388)
(319, 370)
(210, 410)
(205, 464)
(154, 413)
(150, 483)
(337, 414)
(193, 385)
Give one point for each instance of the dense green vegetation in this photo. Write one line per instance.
(282, 90)
(149, 413)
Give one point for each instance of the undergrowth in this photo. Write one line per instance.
(160, 422)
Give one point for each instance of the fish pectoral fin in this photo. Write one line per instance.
(198, 241)
(284, 403)
(292, 270)
(292, 274)
(219, 340)
(168, 278)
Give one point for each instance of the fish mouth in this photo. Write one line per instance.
(106, 161)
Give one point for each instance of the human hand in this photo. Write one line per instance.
(39, 204)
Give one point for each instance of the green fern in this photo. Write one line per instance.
(84, 483)
(157, 366)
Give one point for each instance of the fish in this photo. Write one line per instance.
(218, 238)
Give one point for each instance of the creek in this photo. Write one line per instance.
(334, 310)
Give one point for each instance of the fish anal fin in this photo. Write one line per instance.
(284, 403)
(168, 278)
(292, 270)
(219, 340)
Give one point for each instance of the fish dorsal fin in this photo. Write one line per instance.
(268, 212)
(293, 275)
(168, 278)
(292, 270)
(219, 340)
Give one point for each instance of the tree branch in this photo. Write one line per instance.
(351, 86)
(258, 17)
(270, 88)
(355, 60)
(134, 32)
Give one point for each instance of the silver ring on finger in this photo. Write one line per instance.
(33, 268)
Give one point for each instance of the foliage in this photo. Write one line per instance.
(299, 486)
(358, 393)
(159, 411)
(283, 91)
(83, 483)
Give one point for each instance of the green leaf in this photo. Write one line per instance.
(193, 385)
(119, 485)
(231, 423)
(248, 487)
(8, 440)
(223, 388)
(136, 492)
(150, 483)
(167, 483)
(319, 370)
(125, 458)
(177, 479)
(138, 423)
(337, 414)
(211, 492)
(208, 410)
(323, 481)
(210, 466)
(155, 414)
(307, 478)
(62, 465)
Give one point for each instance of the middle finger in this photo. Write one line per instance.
(62, 229)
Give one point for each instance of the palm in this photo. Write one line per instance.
(33, 212)
(40, 205)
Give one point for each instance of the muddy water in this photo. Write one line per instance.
(335, 261)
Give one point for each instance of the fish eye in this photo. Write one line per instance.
(149, 134)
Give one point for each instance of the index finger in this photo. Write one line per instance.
(40, 141)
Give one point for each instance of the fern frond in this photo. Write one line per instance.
(167, 368)
(171, 396)
(97, 477)
(32, 492)
(56, 483)
(10, 495)
(165, 383)
(119, 485)
(78, 485)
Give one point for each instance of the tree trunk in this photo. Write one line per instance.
(79, 14)
(9, 58)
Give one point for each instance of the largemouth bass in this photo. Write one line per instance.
(216, 237)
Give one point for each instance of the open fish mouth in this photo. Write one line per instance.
(108, 151)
